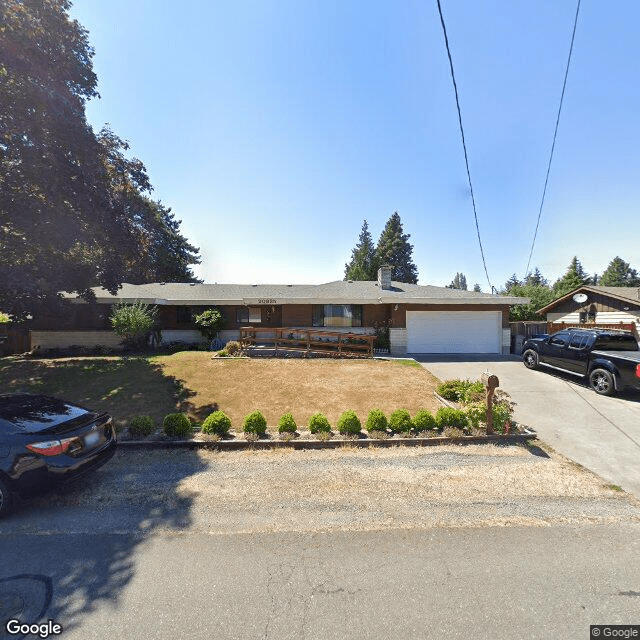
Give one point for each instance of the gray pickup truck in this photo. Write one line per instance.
(610, 359)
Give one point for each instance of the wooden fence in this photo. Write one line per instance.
(14, 339)
(307, 341)
(554, 327)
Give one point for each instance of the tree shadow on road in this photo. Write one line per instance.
(83, 538)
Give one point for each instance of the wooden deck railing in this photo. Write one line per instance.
(308, 340)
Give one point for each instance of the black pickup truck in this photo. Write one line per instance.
(610, 359)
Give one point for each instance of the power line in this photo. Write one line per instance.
(555, 133)
(464, 145)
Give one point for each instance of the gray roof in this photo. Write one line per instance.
(339, 292)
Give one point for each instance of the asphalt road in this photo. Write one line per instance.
(600, 433)
(462, 542)
(505, 583)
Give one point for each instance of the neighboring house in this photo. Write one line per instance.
(421, 319)
(593, 305)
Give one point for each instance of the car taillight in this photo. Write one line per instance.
(51, 447)
(638, 371)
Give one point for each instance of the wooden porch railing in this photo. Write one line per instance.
(308, 340)
(553, 327)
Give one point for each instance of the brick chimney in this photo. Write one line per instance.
(384, 276)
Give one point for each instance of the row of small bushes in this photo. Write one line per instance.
(400, 421)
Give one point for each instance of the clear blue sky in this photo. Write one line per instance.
(273, 129)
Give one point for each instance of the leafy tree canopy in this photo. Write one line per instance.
(394, 248)
(72, 215)
(210, 323)
(619, 274)
(362, 264)
(133, 322)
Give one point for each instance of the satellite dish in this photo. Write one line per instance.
(580, 298)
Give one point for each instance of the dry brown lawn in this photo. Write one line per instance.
(300, 386)
(194, 381)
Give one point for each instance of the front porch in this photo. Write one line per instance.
(308, 342)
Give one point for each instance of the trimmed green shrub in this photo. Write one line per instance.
(476, 413)
(400, 420)
(502, 414)
(318, 423)
(475, 392)
(141, 426)
(256, 423)
(446, 417)
(287, 424)
(348, 423)
(217, 423)
(450, 390)
(210, 323)
(177, 424)
(223, 353)
(424, 421)
(376, 421)
(133, 322)
(232, 347)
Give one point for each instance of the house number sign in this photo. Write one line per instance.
(267, 301)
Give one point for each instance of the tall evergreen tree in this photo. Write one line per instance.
(512, 282)
(361, 266)
(476, 288)
(536, 278)
(459, 282)
(394, 248)
(575, 277)
(619, 274)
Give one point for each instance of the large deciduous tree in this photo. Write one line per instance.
(71, 217)
(55, 208)
(362, 264)
(619, 274)
(394, 248)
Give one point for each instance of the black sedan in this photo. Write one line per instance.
(45, 441)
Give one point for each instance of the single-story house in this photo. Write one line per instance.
(421, 319)
(595, 306)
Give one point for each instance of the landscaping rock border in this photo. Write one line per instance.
(334, 443)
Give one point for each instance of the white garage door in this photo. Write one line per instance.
(454, 331)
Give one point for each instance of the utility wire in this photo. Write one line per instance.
(464, 145)
(555, 133)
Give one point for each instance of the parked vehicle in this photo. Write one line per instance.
(45, 441)
(610, 359)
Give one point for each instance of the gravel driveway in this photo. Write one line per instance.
(343, 489)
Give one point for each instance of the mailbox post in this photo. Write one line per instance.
(491, 383)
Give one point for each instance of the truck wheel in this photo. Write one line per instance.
(602, 382)
(530, 359)
(6, 499)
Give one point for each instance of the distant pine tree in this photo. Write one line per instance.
(574, 278)
(394, 248)
(459, 282)
(619, 274)
(361, 266)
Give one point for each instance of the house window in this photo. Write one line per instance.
(185, 315)
(337, 315)
(255, 314)
(591, 315)
(242, 315)
(583, 317)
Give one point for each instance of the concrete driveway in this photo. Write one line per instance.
(600, 433)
